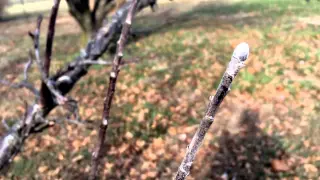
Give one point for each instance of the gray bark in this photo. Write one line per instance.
(97, 154)
(240, 54)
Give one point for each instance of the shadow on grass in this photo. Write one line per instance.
(22, 16)
(218, 13)
(247, 154)
(122, 163)
(14, 18)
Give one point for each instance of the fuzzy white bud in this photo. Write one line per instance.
(240, 54)
(241, 51)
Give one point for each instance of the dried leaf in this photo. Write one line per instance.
(310, 168)
(42, 169)
(297, 131)
(279, 165)
(77, 158)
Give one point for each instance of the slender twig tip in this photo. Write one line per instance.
(31, 35)
(40, 17)
(241, 51)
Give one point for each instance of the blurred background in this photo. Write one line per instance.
(267, 127)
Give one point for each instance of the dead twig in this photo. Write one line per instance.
(240, 54)
(96, 155)
(24, 83)
(45, 90)
(60, 99)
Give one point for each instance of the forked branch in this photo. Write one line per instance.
(60, 99)
(239, 55)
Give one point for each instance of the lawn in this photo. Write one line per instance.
(267, 127)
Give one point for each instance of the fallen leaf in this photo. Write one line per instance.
(60, 156)
(42, 169)
(297, 131)
(310, 168)
(140, 143)
(129, 135)
(152, 174)
(172, 131)
(279, 165)
(77, 158)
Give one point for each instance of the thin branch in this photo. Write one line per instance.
(98, 62)
(97, 154)
(5, 124)
(60, 99)
(240, 54)
(50, 36)
(44, 90)
(27, 66)
(103, 62)
(25, 113)
(22, 84)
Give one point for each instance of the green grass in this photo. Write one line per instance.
(191, 54)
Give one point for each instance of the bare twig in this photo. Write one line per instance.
(103, 62)
(96, 62)
(22, 84)
(45, 90)
(96, 155)
(5, 124)
(60, 99)
(240, 54)
(50, 36)
(27, 66)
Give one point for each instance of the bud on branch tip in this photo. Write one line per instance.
(240, 54)
(241, 51)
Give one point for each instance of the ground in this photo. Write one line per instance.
(266, 128)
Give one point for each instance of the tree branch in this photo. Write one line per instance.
(240, 54)
(97, 154)
(64, 80)
(27, 66)
(45, 90)
(46, 83)
(50, 37)
(22, 84)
